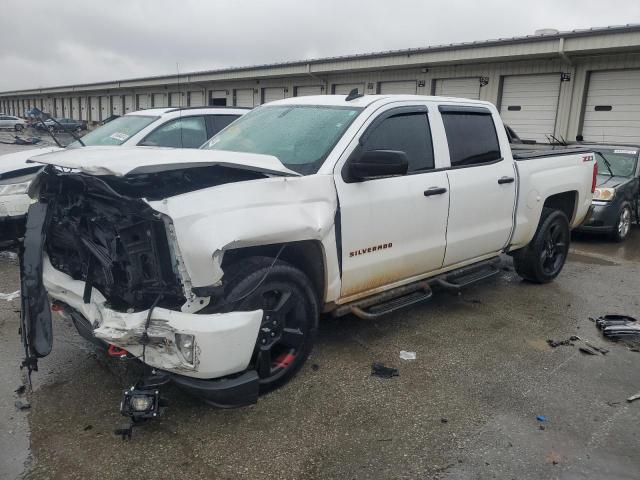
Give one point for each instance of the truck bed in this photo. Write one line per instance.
(555, 151)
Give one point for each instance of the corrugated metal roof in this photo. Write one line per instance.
(632, 27)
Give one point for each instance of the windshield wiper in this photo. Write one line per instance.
(606, 163)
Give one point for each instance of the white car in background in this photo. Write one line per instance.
(11, 122)
(158, 127)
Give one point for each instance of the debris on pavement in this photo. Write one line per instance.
(404, 355)
(20, 405)
(9, 255)
(541, 418)
(10, 296)
(633, 398)
(17, 140)
(588, 350)
(21, 389)
(558, 343)
(618, 326)
(379, 370)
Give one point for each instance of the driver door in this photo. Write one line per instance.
(393, 228)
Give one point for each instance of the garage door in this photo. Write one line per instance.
(612, 109)
(306, 91)
(75, 108)
(128, 103)
(243, 97)
(83, 108)
(116, 104)
(458, 87)
(272, 93)
(399, 88)
(345, 88)
(59, 108)
(218, 98)
(196, 99)
(105, 107)
(529, 104)
(142, 101)
(158, 100)
(68, 110)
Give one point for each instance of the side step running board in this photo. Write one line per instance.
(458, 282)
(383, 308)
(389, 301)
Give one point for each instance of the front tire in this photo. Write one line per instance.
(623, 225)
(543, 259)
(290, 319)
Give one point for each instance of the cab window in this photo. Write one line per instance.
(185, 132)
(408, 133)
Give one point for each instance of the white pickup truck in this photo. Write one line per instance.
(213, 266)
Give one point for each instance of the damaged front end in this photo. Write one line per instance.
(111, 263)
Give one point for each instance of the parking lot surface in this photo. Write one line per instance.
(466, 408)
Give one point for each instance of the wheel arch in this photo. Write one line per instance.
(306, 255)
(566, 202)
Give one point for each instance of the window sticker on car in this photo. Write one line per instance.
(119, 136)
(626, 152)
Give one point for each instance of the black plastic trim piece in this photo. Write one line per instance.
(463, 109)
(36, 327)
(222, 392)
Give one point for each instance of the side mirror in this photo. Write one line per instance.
(378, 163)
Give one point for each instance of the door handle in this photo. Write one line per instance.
(506, 180)
(435, 191)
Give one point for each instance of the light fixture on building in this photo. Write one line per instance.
(370, 86)
(565, 77)
(484, 81)
(421, 83)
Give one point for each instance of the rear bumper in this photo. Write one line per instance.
(223, 342)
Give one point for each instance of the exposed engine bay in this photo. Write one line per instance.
(101, 232)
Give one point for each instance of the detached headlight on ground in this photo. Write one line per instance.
(14, 188)
(604, 194)
(185, 344)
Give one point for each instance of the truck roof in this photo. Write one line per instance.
(366, 100)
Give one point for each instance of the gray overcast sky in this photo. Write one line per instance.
(46, 43)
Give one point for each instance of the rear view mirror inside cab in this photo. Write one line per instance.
(376, 164)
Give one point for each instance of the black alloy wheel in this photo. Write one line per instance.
(289, 322)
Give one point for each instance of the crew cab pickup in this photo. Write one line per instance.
(213, 266)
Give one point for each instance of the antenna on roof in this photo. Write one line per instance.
(353, 94)
(180, 103)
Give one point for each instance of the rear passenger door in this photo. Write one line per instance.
(390, 230)
(482, 184)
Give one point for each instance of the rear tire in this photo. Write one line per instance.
(543, 259)
(290, 319)
(623, 225)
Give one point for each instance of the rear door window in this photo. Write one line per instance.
(185, 132)
(471, 136)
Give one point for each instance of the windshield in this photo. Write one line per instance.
(621, 161)
(117, 131)
(300, 136)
